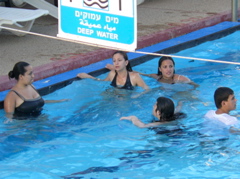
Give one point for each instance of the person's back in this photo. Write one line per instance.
(225, 102)
(223, 118)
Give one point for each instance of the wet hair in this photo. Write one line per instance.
(161, 60)
(18, 69)
(166, 107)
(221, 94)
(129, 68)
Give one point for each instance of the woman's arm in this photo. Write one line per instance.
(179, 107)
(194, 84)
(184, 79)
(56, 101)
(138, 81)
(110, 67)
(155, 76)
(9, 106)
(85, 75)
(108, 78)
(139, 123)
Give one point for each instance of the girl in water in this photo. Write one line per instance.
(121, 76)
(166, 73)
(163, 110)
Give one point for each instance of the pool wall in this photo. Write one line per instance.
(50, 84)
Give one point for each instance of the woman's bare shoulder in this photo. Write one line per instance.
(181, 78)
(11, 95)
(134, 74)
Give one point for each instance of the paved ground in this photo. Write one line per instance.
(158, 20)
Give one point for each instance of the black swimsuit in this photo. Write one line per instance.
(29, 107)
(128, 85)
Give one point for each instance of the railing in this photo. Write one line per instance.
(234, 10)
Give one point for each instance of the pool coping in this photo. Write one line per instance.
(52, 83)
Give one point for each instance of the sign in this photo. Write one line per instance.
(111, 23)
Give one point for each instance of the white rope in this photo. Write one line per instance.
(108, 47)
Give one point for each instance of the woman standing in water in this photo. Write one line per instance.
(166, 73)
(23, 100)
(121, 76)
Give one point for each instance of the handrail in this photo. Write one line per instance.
(234, 10)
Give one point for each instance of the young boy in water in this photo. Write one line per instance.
(225, 102)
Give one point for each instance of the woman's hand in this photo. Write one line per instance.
(135, 121)
(130, 118)
(85, 75)
(8, 120)
(110, 67)
(179, 107)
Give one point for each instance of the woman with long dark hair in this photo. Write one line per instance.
(164, 112)
(122, 76)
(166, 73)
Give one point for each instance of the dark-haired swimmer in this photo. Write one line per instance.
(23, 99)
(166, 72)
(122, 75)
(225, 102)
(163, 110)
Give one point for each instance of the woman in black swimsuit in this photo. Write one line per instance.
(23, 100)
(122, 76)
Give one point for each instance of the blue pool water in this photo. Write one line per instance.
(84, 138)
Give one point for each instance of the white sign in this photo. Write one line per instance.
(111, 23)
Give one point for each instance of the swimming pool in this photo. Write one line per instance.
(84, 138)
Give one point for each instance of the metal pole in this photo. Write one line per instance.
(234, 10)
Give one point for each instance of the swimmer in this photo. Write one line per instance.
(23, 99)
(225, 102)
(166, 72)
(121, 76)
(163, 110)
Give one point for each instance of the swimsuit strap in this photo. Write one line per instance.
(128, 85)
(19, 95)
(114, 83)
(128, 79)
(34, 88)
(178, 77)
